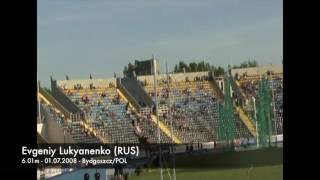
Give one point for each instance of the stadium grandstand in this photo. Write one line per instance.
(179, 108)
(247, 81)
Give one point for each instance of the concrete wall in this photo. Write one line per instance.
(51, 130)
(175, 77)
(103, 83)
(55, 133)
(258, 70)
(135, 89)
(128, 95)
(85, 83)
(64, 100)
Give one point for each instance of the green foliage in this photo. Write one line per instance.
(227, 127)
(193, 67)
(247, 64)
(197, 67)
(264, 113)
(125, 71)
(219, 71)
(274, 172)
(267, 164)
(128, 70)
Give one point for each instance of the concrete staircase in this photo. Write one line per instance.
(247, 121)
(163, 127)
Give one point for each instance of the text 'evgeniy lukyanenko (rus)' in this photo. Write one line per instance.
(117, 151)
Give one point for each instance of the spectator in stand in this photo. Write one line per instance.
(127, 106)
(91, 86)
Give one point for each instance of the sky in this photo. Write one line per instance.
(99, 37)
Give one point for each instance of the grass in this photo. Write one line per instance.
(243, 159)
(267, 165)
(273, 172)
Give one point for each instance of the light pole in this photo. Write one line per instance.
(157, 114)
(169, 115)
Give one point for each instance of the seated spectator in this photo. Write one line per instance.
(69, 93)
(86, 100)
(91, 86)
(111, 85)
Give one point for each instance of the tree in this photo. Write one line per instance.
(188, 69)
(193, 67)
(252, 63)
(125, 71)
(219, 71)
(212, 68)
(176, 68)
(207, 67)
(229, 69)
(128, 70)
(131, 68)
(197, 67)
(201, 66)
(235, 67)
(244, 64)
(182, 66)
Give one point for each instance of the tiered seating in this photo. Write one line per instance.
(241, 128)
(147, 128)
(249, 86)
(106, 111)
(277, 87)
(78, 132)
(194, 109)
